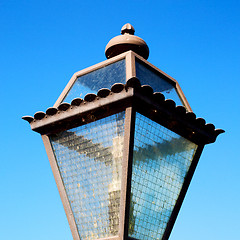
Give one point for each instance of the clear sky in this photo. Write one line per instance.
(43, 43)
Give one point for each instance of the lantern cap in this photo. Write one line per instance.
(125, 42)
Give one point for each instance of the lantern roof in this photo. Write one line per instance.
(120, 69)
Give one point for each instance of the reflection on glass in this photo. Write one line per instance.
(103, 77)
(89, 159)
(149, 77)
(161, 160)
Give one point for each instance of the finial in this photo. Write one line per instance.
(128, 28)
(125, 42)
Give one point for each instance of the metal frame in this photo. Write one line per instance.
(84, 114)
(130, 58)
(127, 171)
(61, 188)
(183, 192)
(86, 71)
(126, 179)
(168, 78)
(128, 156)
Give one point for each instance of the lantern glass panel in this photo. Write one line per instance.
(148, 76)
(103, 77)
(89, 158)
(161, 160)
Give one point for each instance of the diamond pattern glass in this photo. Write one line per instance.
(89, 158)
(161, 159)
(103, 77)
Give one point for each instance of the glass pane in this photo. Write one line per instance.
(149, 77)
(104, 77)
(161, 159)
(89, 159)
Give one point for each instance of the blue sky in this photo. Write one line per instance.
(43, 43)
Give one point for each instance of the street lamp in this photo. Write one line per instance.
(123, 144)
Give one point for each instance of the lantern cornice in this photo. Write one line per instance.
(108, 102)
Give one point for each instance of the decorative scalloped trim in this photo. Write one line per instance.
(146, 90)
